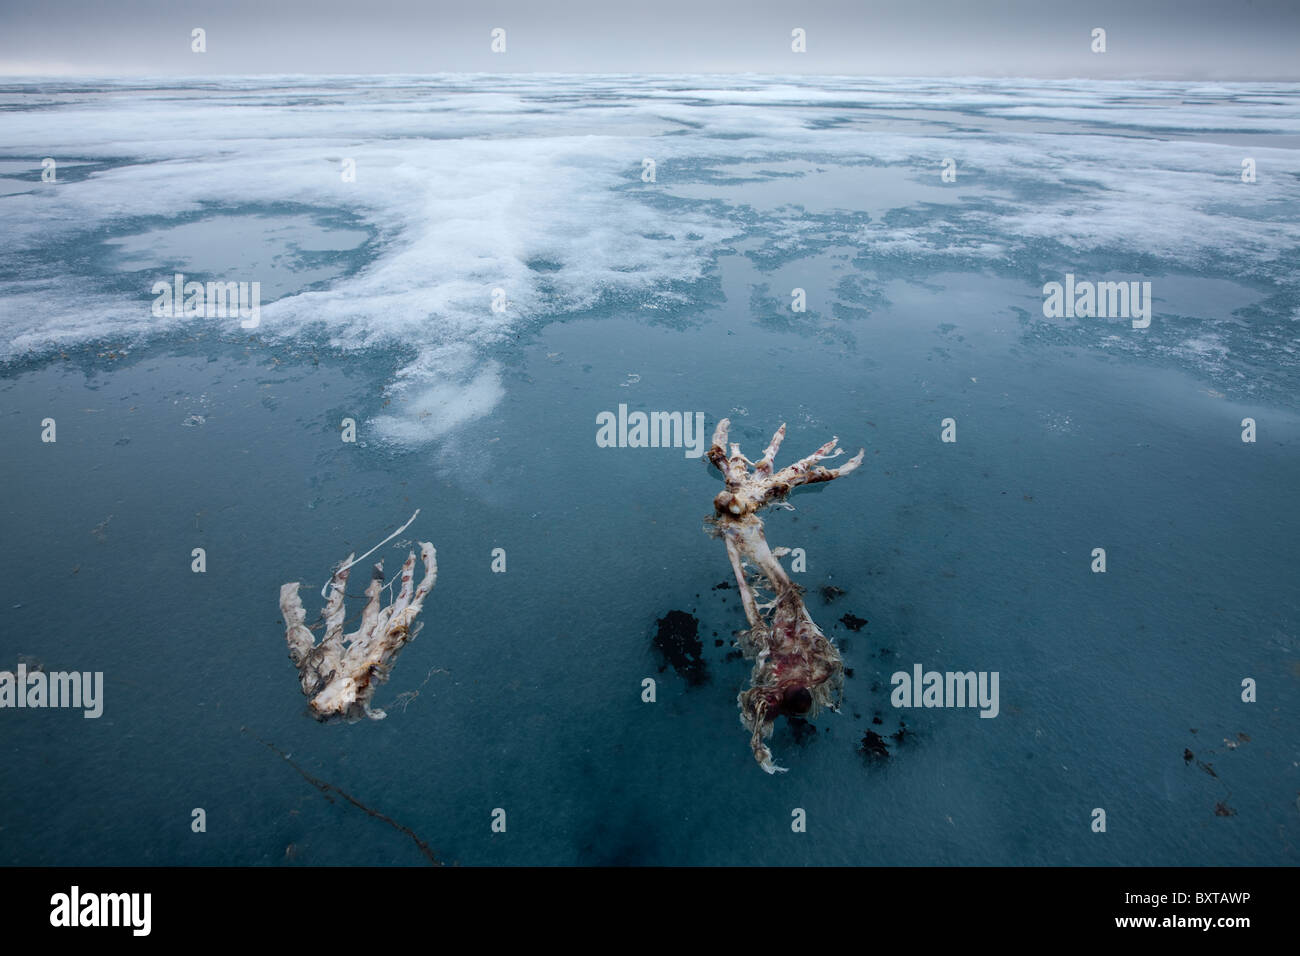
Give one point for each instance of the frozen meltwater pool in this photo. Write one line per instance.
(824, 187)
(286, 253)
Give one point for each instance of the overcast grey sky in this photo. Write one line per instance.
(1211, 39)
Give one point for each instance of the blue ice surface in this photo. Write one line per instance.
(924, 303)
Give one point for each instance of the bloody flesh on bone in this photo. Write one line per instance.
(797, 670)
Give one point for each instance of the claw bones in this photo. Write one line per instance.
(341, 673)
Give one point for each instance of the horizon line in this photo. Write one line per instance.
(1064, 78)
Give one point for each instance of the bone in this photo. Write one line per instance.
(341, 673)
(797, 670)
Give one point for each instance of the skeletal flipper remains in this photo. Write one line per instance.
(797, 670)
(340, 673)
